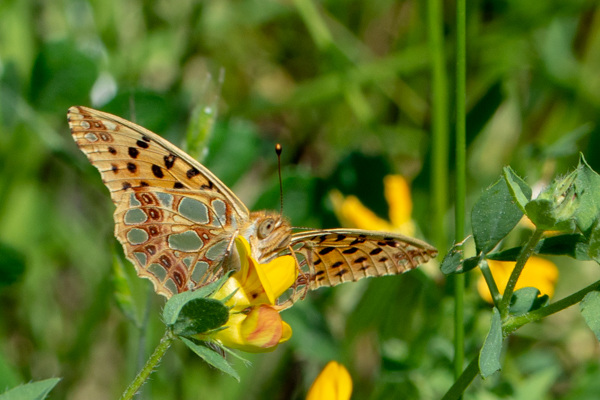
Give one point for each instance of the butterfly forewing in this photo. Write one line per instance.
(174, 218)
(128, 155)
(330, 257)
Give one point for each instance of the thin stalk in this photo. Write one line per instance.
(526, 252)
(439, 105)
(461, 181)
(151, 364)
(491, 283)
(464, 380)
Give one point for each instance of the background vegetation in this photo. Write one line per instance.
(346, 88)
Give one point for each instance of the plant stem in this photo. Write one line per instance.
(526, 252)
(439, 106)
(491, 283)
(461, 185)
(514, 323)
(464, 380)
(152, 362)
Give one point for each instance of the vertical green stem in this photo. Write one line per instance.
(526, 252)
(152, 362)
(439, 189)
(461, 185)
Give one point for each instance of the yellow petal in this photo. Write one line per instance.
(257, 331)
(397, 194)
(333, 383)
(538, 272)
(353, 214)
(277, 276)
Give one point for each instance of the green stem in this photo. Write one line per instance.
(526, 252)
(461, 185)
(514, 323)
(491, 283)
(439, 106)
(463, 381)
(152, 362)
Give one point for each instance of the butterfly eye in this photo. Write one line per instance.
(265, 228)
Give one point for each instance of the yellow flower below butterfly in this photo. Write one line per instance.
(333, 383)
(353, 214)
(538, 272)
(254, 325)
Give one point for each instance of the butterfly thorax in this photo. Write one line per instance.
(268, 234)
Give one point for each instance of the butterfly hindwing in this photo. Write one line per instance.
(333, 256)
(177, 241)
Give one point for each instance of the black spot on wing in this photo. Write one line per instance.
(142, 144)
(131, 167)
(192, 172)
(157, 171)
(178, 185)
(133, 152)
(326, 250)
(340, 237)
(358, 240)
(169, 160)
(350, 250)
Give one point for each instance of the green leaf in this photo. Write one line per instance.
(526, 299)
(12, 264)
(174, 305)
(590, 309)
(572, 244)
(31, 391)
(489, 357)
(518, 188)
(496, 213)
(203, 118)
(587, 191)
(452, 262)
(199, 316)
(594, 243)
(212, 357)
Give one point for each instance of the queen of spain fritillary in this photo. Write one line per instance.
(177, 221)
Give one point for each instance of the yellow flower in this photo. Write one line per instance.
(538, 272)
(254, 325)
(353, 214)
(333, 383)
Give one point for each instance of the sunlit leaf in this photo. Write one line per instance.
(212, 357)
(590, 309)
(489, 357)
(31, 391)
(495, 214)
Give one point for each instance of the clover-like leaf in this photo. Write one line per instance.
(489, 357)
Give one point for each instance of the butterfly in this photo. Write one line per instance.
(178, 222)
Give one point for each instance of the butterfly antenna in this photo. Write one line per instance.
(278, 150)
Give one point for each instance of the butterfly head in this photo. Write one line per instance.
(270, 233)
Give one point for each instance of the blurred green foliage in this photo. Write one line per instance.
(346, 91)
